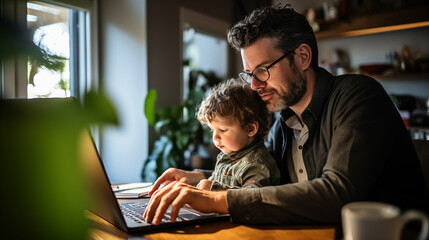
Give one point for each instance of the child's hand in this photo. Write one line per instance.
(205, 184)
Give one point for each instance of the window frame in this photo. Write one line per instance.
(83, 73)
(14, 70)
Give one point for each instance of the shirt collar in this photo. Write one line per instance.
(324, 83)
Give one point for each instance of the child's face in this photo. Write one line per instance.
(230, 136)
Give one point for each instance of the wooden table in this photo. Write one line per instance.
(103, 230)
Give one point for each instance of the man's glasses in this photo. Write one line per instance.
(261, 73)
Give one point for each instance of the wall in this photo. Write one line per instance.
(123, 73)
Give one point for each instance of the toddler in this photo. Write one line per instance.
(239, 121)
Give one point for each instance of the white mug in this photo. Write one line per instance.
(375, 220)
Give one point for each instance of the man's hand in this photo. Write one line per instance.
(174, 174)
(205, 184)
(178, 194)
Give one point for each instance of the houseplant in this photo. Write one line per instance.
(177, 127)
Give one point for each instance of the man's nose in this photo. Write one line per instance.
(256, 84)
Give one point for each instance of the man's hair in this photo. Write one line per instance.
(234, 100)
(287, 28)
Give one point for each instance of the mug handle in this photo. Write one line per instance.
(416, 215)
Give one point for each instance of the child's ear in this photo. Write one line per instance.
(252, 128)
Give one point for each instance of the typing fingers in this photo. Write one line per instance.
(165, 202)
(166, 178)
(157, 184)
(148, 212)
(205, 184)
(177, 204)
(154, 202)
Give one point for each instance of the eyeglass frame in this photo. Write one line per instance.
(265, 67)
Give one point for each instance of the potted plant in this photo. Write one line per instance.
(177, 127)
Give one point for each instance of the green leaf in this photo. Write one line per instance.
(149, 107)
(160, 124)
(176, 112)
(99, 108)
(183, 141)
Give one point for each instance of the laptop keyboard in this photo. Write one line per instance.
(135, 212)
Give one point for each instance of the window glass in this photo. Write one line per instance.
(48, 26)
(58, 31)
(203, 52)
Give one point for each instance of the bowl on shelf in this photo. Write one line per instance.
(375, 68)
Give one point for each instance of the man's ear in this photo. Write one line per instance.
(304, 55)
(252, 128)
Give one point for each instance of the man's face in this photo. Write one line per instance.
(285, 87)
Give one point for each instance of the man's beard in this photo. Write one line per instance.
(297, 88)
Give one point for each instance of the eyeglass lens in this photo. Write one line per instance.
(260, 73)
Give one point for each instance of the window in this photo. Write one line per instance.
(204, 46)
(64, 31)
(49, 28)
(203, 52)
(61, 33)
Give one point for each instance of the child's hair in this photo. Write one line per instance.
(234, 100)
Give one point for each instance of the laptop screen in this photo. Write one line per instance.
(103, 203)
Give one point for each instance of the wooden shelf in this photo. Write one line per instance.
(376, 23)
(402, 76)
(417, 128)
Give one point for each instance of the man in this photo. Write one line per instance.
(337, 139)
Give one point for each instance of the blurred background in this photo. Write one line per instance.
(157, 59)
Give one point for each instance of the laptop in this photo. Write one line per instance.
(127, 214)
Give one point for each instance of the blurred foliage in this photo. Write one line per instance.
(44, 188)
(49, 61)
(44, 192)
(64, 85)
(16, 41)
(176, 126)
